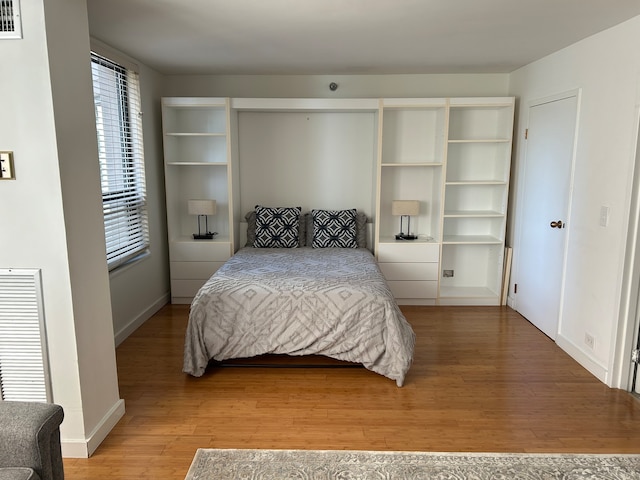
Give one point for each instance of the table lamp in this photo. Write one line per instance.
(202, 208)
(405, 208)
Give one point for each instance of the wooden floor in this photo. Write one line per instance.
(483, 380)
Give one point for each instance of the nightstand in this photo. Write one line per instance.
(411, 270)
(192, 264)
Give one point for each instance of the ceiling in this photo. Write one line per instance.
(347, 36)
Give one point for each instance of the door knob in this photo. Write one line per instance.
(557, 224)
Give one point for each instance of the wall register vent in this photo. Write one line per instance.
(24, 367)
(10, 26)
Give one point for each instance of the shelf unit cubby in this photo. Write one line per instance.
(412, 139)
(476, 190)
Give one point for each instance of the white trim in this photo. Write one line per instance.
(129, 264)
(597, 369)
(414, 102)
(306, 104)
(628, 325)
(84, 448)
(114, 55)
(480, 101)
(134, 324)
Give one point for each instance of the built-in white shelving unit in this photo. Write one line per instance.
(412, 141)
(475, 205)
(452, 155)
(198, 165)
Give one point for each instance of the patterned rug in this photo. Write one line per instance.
(210, 464)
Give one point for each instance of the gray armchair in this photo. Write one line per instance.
(30, 441)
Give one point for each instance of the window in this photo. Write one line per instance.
(119, 127)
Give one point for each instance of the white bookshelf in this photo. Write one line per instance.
(475, 200)
(453, 156)
(198, 165)
(412, 141)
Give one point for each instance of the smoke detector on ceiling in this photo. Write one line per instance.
(10, 26)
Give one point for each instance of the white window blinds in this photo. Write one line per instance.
(119, 127)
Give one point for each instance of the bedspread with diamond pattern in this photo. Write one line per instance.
(299, 301)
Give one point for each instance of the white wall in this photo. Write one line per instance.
(328, 161)
(606, 68)
(52, 211)
(349, 86)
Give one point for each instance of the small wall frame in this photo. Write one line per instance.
(7, 171)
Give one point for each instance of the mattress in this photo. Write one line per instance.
(299, 301)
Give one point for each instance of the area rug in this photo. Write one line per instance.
(210, 464)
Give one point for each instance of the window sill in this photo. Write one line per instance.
(129, 264)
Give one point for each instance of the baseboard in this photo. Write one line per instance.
(84, 448)
(599, 371)
(132, 326)
(420, 301)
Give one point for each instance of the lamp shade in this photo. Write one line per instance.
(202, 207)
(405, 207)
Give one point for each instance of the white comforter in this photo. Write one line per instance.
(300, 301)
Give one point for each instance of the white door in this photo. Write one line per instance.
(545, 208)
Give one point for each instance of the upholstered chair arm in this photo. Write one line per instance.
(30, 437)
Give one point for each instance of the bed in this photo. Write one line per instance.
(310, 300)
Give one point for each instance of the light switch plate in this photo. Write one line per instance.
(604, 216)
(6, 166)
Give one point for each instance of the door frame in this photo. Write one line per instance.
(628, 327)
(521, 190)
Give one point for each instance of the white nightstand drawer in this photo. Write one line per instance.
(408, 252)
(194, 270)
(409, 271)
(185, 288)
(413, 288)
(202, 250)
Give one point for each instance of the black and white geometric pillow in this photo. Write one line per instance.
(277, 227)
(334, 228)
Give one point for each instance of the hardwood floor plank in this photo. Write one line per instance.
(483, 380)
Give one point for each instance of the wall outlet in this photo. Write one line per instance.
(447, 273)
(590, 341)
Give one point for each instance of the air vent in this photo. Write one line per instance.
(10, 26)
(24, 365)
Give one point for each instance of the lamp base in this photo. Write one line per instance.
(406, 236)
(204, 236)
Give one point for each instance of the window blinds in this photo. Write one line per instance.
(119, 127)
